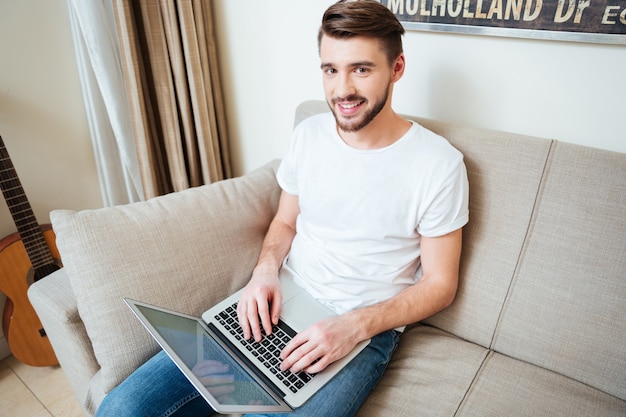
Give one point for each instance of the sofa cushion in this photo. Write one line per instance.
(434, 373)
(509, 387)
(184, 251)
(504, 172)
(428, 375)
(567, 305)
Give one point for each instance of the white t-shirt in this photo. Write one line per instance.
(362, 212)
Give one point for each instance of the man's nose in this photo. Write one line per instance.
(345, 86)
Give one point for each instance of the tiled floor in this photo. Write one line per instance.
(27, 391)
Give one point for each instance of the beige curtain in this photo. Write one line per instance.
(169, 62)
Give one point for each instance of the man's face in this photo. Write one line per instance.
(357, 78)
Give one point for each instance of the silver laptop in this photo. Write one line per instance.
(232, 374)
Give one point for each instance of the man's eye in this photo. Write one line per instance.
(361, 70)
(330, 71)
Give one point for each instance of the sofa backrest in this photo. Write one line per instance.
(566, 307)
(504, 172)
(543, 269)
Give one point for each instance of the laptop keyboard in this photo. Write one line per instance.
(268, 350)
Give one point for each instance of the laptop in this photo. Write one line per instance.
(232, 374)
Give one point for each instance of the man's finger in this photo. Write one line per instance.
(277, 304)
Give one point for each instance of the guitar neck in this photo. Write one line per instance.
(22, 212)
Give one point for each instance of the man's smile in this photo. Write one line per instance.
(349, 107)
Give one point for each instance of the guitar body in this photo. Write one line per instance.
(22, 327)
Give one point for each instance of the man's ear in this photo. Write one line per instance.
(398, 67)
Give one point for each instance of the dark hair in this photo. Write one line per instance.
(369, 18)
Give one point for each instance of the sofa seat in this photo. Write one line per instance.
(434, 373)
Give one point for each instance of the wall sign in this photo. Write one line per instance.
(598, 21)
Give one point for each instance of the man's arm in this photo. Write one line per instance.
(262, 296)
(331, 339)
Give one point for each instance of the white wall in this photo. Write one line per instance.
(42, 121)
(573, 92)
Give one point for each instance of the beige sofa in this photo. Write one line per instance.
(538, 327)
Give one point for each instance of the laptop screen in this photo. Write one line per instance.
(225, 380)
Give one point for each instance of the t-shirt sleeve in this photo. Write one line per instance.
(287, 175)
(448, 209)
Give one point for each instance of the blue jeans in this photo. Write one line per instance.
(159, 389)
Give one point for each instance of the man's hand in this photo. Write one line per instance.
(259, 305)
(262, 297)
(320, 345)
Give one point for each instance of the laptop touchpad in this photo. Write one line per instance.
(301, 311)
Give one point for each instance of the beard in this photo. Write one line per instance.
(357, 122)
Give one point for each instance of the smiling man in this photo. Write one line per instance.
(369, 223)
(370, 216)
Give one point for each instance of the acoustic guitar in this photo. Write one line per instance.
(25, 257)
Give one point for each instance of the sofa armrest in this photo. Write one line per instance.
(55, 303)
